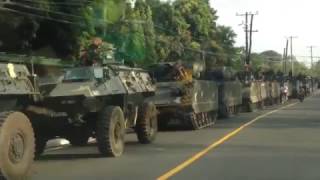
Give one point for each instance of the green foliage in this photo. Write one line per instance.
(271, 61)
(150, 32)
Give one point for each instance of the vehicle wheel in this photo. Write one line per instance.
(17, 144)
(147, 123)
(110, 131)
(78, 136)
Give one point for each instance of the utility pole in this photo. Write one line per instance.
(291, 54)
(284, 61)
(248, 29)
(311, 55)
(285, 57)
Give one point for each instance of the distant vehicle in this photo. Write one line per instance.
(182, 96)
(230, 90)
(254, 95)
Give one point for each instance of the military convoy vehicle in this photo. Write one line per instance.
(100, 98)
(230, 94)
(273, 92)
(17, 135)
(182, 95)
(253, 94)
(100, 102)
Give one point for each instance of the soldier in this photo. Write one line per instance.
(98, 53)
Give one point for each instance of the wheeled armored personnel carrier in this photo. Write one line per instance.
(101, 102)
(101, 99)
(230, 90)
(17, 136)
(180, 96)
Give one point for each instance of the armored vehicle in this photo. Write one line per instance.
(253, 95)
(273, 92)
(17, 136)
(101, 98)
(230, 97)
(180, 96)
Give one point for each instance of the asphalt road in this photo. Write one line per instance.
(282, 144)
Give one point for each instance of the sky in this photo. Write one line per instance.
(276, 20)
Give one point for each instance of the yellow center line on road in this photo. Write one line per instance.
(215, 144)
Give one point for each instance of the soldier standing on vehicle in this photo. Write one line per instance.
(97, 53)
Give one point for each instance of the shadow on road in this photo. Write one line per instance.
(67, 156)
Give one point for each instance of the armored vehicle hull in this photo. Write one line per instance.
(230, 98)
(100, 102)
(253, 96)
(193, 102)
(230, 94)
(273, 92)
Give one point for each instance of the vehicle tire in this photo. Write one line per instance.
(78, 136)
(110, 131)
(147, 123)
(17, 144)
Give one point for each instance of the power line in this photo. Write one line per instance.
(42, 10)
(56, 3)
(38, 16)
